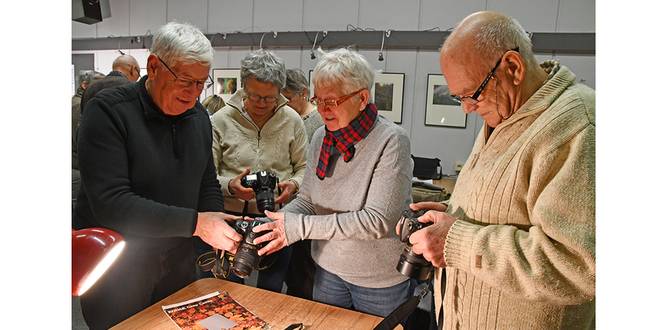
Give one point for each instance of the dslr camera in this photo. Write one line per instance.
(411, 264)
(264, 184)
(246, 258)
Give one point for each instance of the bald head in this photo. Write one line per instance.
(127, 65)
(482, 37)
(488, 62)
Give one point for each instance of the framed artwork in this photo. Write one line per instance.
(388, 95)
(441, 108)
(226, 82)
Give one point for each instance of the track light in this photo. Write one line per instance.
(311, 54)
(382, 43)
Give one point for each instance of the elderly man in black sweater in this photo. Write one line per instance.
(147, 172)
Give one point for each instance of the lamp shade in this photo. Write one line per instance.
(93, 251)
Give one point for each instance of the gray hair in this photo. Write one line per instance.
(89, 76)
(86, 76)
(343, 67)
(296, 80)
(264, 66)
(181, 42)
(501, 35)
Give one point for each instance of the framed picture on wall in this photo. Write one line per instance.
(441, 108)
(226, 82)
(388, 95)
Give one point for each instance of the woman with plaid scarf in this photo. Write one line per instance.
(356, 184)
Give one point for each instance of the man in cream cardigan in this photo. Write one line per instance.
(515, 244)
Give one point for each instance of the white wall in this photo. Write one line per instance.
(140, 17)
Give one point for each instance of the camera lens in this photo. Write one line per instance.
(266, 200)
(414, 265)
(245, 260)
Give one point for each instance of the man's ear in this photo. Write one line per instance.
(152, 64)
(514, 67)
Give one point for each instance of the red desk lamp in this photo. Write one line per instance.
(93, 251)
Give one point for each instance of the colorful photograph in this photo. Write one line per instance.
(213, 311)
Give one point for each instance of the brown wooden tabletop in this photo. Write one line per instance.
(279, 310)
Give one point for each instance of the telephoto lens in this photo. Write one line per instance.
(411, 264)
(247, 258)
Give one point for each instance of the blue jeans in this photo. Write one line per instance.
(273, 277)
(331, 289)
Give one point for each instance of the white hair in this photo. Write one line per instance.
(501, 35)
(181, 42)
(343, 67)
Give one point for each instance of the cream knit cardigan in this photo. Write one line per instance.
(522, 255)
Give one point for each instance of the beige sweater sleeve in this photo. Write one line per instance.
(552, 260)
(217, 159)
(298, 149)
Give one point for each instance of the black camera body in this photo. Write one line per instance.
(264, 184)
(246, 258)
(411, 264)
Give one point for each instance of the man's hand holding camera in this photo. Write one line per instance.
(213, 229)
(430, 241)
(276, 235)
(237, 189)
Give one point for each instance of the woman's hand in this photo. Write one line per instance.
(274, 233)
(235, 188)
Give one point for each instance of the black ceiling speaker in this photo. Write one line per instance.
(90, 11)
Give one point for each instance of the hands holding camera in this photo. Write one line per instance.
(288, 188)
(212, 228)
(237, 189)
(275, 235)
(430, 241)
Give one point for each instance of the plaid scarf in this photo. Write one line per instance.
(345, 138)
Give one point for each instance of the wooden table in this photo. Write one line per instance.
(277, 309)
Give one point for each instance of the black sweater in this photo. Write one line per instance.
(144, 174)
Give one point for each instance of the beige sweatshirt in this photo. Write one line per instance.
(279, 146)
(522, 255)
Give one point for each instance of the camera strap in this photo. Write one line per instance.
(206, 261)
(403, 311)
(245, 209)
(217, 262)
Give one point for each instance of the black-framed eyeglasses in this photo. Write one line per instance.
(256, 98)
(185, 83)
(333, 103)
(474, 98)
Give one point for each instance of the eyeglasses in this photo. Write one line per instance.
(256, 98)
(185, 83)
(137, 71)
(474, 99)
(333, 103)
